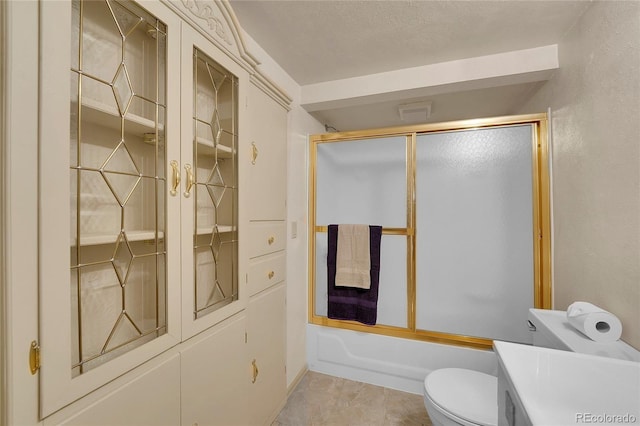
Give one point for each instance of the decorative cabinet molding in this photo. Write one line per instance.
(215, 20)
(207, 12)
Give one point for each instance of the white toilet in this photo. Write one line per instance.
(457, 396)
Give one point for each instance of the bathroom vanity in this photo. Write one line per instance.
(541, 386)
(579, 381)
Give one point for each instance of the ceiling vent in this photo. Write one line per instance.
(415, 112)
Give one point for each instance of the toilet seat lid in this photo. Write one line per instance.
(470, 395)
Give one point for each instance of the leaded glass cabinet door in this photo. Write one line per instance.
(109, 228)
(211, 90)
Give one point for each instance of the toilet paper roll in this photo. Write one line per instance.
(594, 322)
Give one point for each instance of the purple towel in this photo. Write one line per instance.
(346, 303)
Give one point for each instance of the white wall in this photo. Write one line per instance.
(595, 103)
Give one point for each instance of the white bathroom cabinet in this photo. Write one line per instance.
(266, 335)
(214, 385)
(267, 174)
(161, 197)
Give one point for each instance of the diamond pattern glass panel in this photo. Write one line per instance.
(216, 128)
(216, 193)
(122, 89)
(216, 176)
(216, 242)
(121, 185)
(122, 258)
(118, 203)
(121, 161)
(216, 169)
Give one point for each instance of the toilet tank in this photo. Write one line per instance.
(551, 329)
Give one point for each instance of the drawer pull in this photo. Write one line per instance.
(271, 240)
(271, 274)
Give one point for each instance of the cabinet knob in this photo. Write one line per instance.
(271, 240)
(271, 274)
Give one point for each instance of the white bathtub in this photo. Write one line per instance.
(391, 362)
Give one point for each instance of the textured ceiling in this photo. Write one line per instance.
(316, 41)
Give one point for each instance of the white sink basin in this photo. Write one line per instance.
(566, 388)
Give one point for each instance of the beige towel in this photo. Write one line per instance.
(353, 258)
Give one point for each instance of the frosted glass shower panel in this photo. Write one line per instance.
(362, 181)
(474, 233)
(392, 289)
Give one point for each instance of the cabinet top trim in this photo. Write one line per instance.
(216, 20)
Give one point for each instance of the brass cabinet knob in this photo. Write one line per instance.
(271, 240)
(271, 274)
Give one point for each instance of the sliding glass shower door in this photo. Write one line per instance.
(464, 210)
(365, 181)
(474, 239)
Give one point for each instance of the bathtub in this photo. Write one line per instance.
(391, 362)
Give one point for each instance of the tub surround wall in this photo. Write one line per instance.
(595, 102)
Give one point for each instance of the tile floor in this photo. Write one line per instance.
(320, 399)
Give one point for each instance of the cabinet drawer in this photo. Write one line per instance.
(266, 271)
(266, 237)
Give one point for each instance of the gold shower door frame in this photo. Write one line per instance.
(541, 228)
